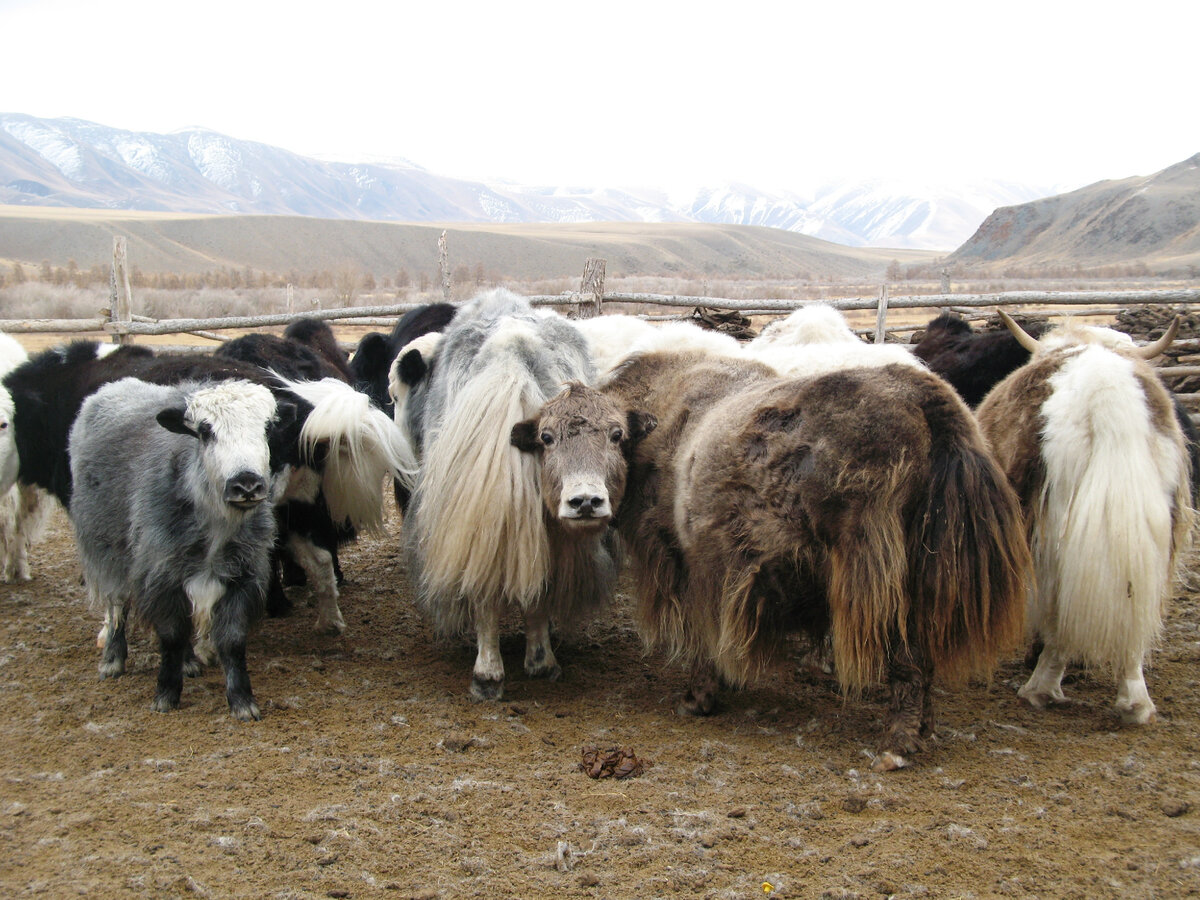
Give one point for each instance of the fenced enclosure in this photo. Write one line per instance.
(121, 322)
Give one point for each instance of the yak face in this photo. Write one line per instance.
(231, 421)
(584, 440)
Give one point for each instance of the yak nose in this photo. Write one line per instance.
(585, 504)
(245, 489)
(588, 503)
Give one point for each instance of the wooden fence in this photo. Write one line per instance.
(123, 325)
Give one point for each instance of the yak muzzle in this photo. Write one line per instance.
(585, 503)
(245, 489)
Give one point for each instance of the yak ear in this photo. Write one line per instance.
(285, 413)
(524, 436)
(412, 367)
(171, 419)
(640, 424)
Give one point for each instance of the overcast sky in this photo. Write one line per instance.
(774, 95)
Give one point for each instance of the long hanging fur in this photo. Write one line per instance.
(478, 504)
(1113, 510)
(365, 446)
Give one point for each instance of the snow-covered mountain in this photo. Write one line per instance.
(71, 162)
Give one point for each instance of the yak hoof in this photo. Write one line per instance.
(696, 704)
(887, 761)
(331, 627)
(245, 710)
(165, 702)
(1138, 714)
(1042, 699)
(550, 673)
(112, 668)
(487, 688)
(192, 667)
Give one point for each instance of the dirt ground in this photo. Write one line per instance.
(372, 774)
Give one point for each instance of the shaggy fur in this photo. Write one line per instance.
(612, 338)
(477, 539)
(318, 336)
(815, 340)
(972, 362)
(172, 516)
(1089, 438)
(862, 504)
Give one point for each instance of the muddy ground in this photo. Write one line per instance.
(372, 775)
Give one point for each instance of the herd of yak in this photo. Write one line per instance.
(916, 515)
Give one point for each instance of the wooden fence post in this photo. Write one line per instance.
(444, 266)
(881, 315)
(120, 294)
(591, 288)
(945, 280)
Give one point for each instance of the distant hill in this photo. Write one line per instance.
(1153, 220)
(173, 242)
(75, 163)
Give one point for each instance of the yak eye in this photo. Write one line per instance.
(615, 435)
(547, 438)
(3, 425)
(205, 430)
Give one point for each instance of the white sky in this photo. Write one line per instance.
(669, 94)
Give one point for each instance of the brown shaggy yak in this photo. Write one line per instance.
(862, 504)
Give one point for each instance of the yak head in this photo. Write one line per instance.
(585, 440)
(232, 422)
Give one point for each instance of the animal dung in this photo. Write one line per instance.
(616, 762)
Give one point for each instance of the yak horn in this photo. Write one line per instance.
(1152, 350)
(1018, 332)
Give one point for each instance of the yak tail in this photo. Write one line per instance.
(1112, 517)
(364, 447)
(971, 570)
(479, 531)
(868, 598)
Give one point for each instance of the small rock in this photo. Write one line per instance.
(337, 892)
(327, 860)
(456, 743)
(859, 841)
(587, 879)
(738, 812)
(707, 841)
(854, 804)
(1175, 808)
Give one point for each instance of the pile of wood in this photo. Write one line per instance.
(727, 322)
(1147, 323)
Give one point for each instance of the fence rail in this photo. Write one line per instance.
(120, 321)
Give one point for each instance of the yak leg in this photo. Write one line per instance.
(173, 625)
(700, 698)
(910, 719)
(112, 638)
(317, 563)
(230, 626)
(1044, 686)
(539, 657)
(1133, 699)
(487, 678)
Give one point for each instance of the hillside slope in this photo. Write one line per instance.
(1154, 219)
(172, 242)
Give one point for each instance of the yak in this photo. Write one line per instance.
(172, 515)
(23, 507)
(1089, 438)
(861, 504)
(477, 539)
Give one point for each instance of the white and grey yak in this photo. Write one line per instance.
(1088, 436)
(172, 512)
(478, 539)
